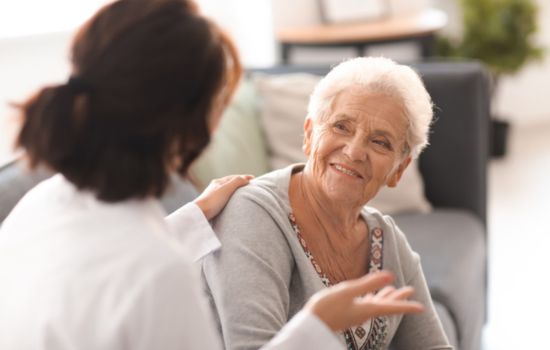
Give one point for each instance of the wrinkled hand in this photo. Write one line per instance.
(214, 197)
(353, 302)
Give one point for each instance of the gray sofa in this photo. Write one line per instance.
(452, 239)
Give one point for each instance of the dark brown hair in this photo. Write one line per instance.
(146, 77)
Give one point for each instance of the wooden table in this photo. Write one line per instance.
(417, 27)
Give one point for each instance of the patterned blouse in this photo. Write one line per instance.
(372, 334)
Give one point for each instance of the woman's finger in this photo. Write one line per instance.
(391, 308)
(224, 180)
(401, 293)
(384, 292)
(366, 284)
(236, 178)
(242, 178)
(238, 181)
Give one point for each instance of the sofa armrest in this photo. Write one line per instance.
(15, 181)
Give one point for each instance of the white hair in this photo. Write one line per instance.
(379, 75)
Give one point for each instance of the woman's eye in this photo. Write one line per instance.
(340, 126)
(383, 143)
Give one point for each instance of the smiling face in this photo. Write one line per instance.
(357, 147)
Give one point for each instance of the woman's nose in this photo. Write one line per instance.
(355, 149)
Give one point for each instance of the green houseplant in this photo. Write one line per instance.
(500, 34)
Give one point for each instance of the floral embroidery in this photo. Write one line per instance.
(377, 328)
(360, 332)
(376, 245)
(316, 266)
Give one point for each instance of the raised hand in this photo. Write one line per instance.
(214, 197)
(353, 302)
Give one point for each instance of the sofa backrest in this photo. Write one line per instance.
(16, 180)
(454, 166)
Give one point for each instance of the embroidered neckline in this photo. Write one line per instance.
(355, 337)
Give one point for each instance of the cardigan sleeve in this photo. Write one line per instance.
(249, 280)
(190, 228)
(417, 331)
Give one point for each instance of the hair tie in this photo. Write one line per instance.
(79, 85)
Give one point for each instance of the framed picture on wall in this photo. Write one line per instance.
(339, 11)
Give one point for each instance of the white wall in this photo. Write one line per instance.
(34, 45)
(524, 98)
(34, 41)
(27, 62)
(250, 24)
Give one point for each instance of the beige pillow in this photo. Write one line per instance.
(283, 108)
(238, 146)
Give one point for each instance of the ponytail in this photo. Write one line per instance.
(156, 71)
(51, 125)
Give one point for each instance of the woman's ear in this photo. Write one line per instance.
(308, 131)
(396, 176)
(218, 107)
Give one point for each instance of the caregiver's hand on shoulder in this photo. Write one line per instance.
(353, 302)
(214, 197)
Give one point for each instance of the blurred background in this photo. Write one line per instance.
(35, 36)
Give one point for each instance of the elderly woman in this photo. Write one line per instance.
(306, 227)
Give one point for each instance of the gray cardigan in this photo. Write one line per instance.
(261, 277)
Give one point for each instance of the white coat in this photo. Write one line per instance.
(78, 273)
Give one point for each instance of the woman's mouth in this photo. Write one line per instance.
(346, 170)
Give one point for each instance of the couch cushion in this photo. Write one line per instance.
(283, 109)
(283, 105)
(238, 145)
(451, 244)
